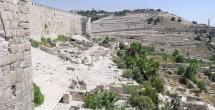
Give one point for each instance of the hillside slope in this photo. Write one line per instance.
(164, 31)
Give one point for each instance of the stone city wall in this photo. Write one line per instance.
(50, 22)
(16, 84)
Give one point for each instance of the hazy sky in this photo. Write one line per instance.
(199, 10)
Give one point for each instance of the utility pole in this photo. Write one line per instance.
(209, 23)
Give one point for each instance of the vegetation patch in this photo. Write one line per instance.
(106, 41)
(101, 100)
(38, 96)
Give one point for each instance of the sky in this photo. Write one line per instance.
(198, 10)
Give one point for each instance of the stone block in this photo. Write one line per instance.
(116, 88)
(5, 60)
(70, 68)
(23, 17)
(20, 32)
(212, 70)
(66, 98)
(212, 67)
(24, 25)
(20, 75)
(24, 10)
(77, 95)
(82, 85)
(74, 108)
(14, 49)
(173, 65)
(100, 87)
(10, 79)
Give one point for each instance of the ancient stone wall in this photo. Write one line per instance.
(50, 22)
(16, 84)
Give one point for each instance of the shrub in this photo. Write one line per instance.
(173, 19)
(99, 100)
(201, 85)
(92, 101)
(120, 62)
(120, 53)
(44, 41)
(150, 92)
(150, 20)
(128, 73)
(156, 21)
(159, 10)
(158, 84)
(121, 46)
(106, 41)
(87, 35)
(38, 96)
(179, 59)
(176, 52)
(142, 102)
(34, 44)
(191, 72)
(61, 38)
(197, 38)
(181, 70)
